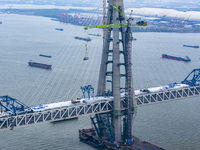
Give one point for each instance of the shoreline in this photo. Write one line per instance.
(160, 24)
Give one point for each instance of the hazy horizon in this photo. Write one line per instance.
(183, 5)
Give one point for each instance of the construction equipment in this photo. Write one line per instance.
(76, 100)
(86, 53)
(193, 78)
(13, 106)
(131, 14)
(87, 89)
(117, 25)
(121, 12)
(145, 89)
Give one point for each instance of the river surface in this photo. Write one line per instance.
(172, 125)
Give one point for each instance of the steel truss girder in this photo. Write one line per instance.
(150, 98)
(56, 114)
(94, 108)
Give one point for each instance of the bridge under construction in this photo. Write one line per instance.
(98, 104)
(114, 109)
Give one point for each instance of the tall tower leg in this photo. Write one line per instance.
(111, 47)
(104, 59)
(116, 75)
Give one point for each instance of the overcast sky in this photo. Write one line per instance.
(180, 9)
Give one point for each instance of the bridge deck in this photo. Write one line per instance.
(104, 106)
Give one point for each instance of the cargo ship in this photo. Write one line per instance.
(95, 34)
(187, 59)
(191, 46)
(54, 19)
(84, 39)
(59, 29)
(45, 55)
(39, 65)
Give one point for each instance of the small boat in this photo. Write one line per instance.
(39, 65)
(54, 19)
(84, 39)
(85, 58)
(187, 59)
(45, 55)
(95, 34)
(59, 29)
(191, 46)
(134, 39)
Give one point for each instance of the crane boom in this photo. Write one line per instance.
(120, 12)
(117, 25)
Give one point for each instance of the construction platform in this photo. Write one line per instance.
(90, 137)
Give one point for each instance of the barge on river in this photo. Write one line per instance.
(187, 59)
(39, 65)
(191, 46)
(82, 38)
(90, 137)
(42, 55)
